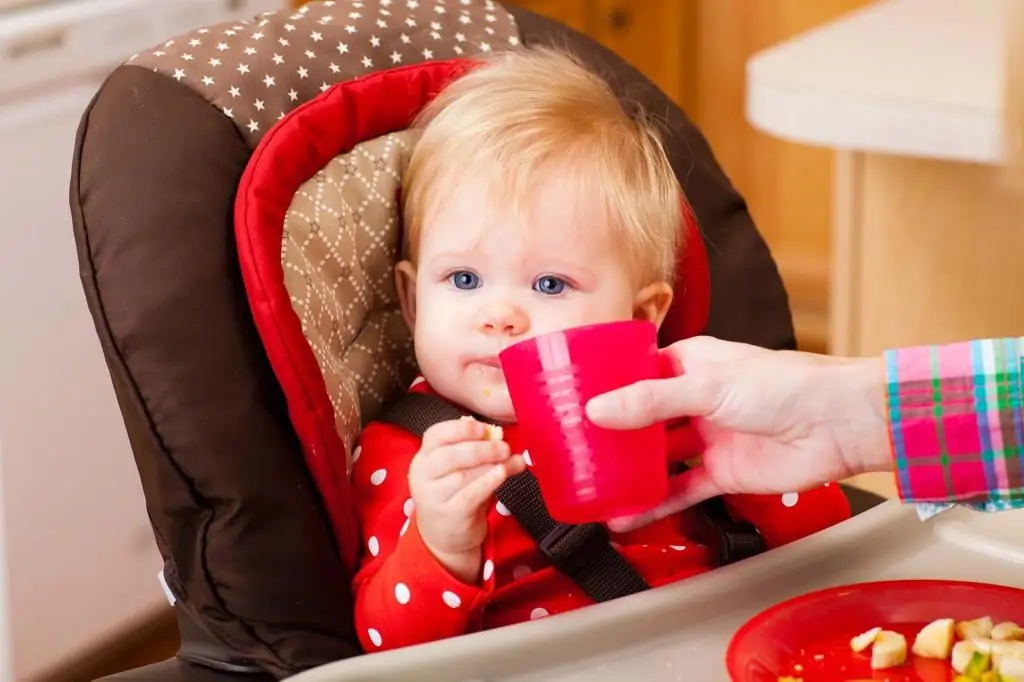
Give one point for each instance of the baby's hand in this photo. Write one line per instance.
(452, 479)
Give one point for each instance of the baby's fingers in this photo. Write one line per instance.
(451, 432)
(466, 455)
(478, 491)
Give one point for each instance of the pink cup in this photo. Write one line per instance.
(587, 473)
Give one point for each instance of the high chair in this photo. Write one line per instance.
(235, 210)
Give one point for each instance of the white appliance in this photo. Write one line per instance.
(81, 562)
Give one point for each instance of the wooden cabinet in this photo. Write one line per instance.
(788, 186)
(651, 35)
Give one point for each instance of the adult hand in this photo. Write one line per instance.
(771, 421)
(452, 479)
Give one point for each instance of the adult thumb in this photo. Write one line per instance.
(655, 400)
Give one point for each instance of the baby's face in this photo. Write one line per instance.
(484, 281)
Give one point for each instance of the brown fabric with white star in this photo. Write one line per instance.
(257, 71)
(341, 238)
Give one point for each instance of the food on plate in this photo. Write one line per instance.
(1006, 632)
(1011, 669)
(889, 650)
(979, 628)
(985, 652)
(935, 640)
(967, 658)
(864, 640)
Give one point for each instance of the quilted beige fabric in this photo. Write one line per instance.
(257, 71)
(341, 233)
(340, 246)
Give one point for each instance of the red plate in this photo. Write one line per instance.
(808, 637)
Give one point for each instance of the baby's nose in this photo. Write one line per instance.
(505, 319)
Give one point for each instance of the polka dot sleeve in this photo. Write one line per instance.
(403, 595)
(781, 519)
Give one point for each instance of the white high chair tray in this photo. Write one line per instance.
(679, 633)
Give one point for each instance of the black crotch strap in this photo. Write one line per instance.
(582, 552)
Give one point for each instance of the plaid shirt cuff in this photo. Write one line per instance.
(955, 419)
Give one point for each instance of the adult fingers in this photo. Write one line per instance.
(452, 431)
(656, 400)
(685, 490)
(699, 351)
(464, 455)
(692, 387)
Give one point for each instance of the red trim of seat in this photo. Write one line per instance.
(287, 156)
(691, 309)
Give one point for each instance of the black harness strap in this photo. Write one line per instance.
(582, 552)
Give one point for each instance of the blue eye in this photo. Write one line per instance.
(464, 279)
(549, 285)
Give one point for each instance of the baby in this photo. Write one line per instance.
(532, 203)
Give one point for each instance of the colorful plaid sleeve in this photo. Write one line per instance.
(955, 417)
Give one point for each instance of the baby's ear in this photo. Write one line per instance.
(405, 285)
(652, 303)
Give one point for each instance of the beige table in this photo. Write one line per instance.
(926, 239)
(679, 633)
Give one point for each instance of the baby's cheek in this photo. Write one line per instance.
(575, 311)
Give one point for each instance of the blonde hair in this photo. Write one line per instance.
(520, 116)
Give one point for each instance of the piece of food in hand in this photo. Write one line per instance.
(935, 640)
(889, 650)
(1007, 631)
(979, 628)
(491, 431)
(862, 641)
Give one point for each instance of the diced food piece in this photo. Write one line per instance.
(984, 645)
(1007, 632)
(491, 431)
(979, 628)
(935, 640)
(1011, 669)
(495, 432)
(1002, 649)
(980, 663)
(862, 641)
(967, 657)
(889, 650)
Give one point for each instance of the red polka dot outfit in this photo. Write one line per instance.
(405, 597)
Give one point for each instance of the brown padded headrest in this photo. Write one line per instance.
(257, 71)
